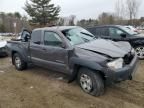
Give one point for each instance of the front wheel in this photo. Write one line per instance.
(19, 62)
(140, 52)
(91, 82)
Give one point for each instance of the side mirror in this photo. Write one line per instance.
(123, 35)
(26, 37)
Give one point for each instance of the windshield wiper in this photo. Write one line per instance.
(87, 34)
(68, 38)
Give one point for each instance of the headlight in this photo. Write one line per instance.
(116, 64)
(132, 51)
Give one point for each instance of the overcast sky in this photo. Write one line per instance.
(80, 8)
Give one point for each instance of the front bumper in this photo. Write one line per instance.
(126, 73)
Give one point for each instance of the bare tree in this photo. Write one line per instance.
(72, 19)
(87, 22)
(106, 18)
(119, 11)
(7, 21)
(67, 21)
(132, 8)
(60, 22)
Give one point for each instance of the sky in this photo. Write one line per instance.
(83, 9)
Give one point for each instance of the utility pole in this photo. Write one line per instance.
(15, 27)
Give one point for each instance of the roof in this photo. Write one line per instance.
(107, 26)
(60, 28)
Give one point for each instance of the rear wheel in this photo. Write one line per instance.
(140, 52)
(91, 82)
(19, 62)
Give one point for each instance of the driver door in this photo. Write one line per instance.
(53, 55)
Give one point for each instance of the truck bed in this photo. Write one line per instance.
(19, 47)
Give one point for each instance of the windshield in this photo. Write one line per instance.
(129, 31)
(78, 35)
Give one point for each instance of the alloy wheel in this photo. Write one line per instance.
(86, 83)
(18, 62)
(140, 52)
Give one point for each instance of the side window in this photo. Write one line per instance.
(52, 39)
(36, 37)
(98, 31)
(92, 30)
(104, 31)
(114, 32)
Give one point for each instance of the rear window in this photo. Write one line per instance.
(99, 31)
(36, 37)
(92, 30)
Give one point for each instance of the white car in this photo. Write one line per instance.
(132, 28)
(3, 50)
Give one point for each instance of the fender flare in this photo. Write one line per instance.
(21, 52)
(76, 63)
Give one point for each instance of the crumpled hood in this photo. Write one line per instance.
(107, 47)
(3, 43)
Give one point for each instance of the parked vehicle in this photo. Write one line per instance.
(3, 51)
(75, 52)
(121, 33)
(140, 27)
(132, 28)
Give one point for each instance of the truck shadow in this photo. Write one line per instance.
(47, 73)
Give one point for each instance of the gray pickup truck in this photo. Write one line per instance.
(77, 53)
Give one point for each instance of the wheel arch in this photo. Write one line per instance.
(12, 54)
(83, 64)
(20, 53)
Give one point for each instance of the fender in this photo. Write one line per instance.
(74, 62)
(20, 49)
(137, 42)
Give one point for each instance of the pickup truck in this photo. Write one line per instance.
(76, 52)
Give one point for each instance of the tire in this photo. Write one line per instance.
(140, 52)
(94, 85)
(19, 62)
